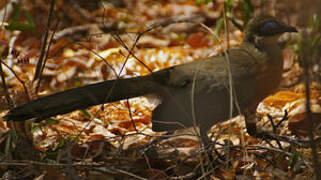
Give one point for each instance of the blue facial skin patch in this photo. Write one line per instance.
(270, 28)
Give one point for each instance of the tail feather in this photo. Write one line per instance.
(83, 97)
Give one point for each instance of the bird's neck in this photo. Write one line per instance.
(263, 43)
(268, 46)
(268, 56)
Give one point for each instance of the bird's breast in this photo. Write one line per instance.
(270, 74)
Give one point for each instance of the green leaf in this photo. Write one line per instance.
(297, 48)
(314, 22)
(219, 25)
(16, 11)
(249, 5)
(28, 17)
(14, 25)
(200, 2)
(315, 41)
(207, 1)
(247, 10)
(228, 6)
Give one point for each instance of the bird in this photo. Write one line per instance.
(195, 93)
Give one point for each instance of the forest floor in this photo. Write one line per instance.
(88, 41)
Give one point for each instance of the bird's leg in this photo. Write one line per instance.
(205, 140)
(250, 122)
(209, 147)
(207, 143)
(219, 159)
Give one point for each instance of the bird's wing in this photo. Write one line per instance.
(213, 72)
(203, 87)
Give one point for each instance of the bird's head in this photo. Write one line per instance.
(265, 27)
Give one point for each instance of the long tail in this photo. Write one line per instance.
(83, 97)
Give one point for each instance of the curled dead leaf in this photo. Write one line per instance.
(299, 123)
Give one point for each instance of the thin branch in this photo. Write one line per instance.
(274, 127)
(102, 58)
(120, 171)
(306, 68)
(30, 163)
(44, 43)
(4, 84)
(130, 51)
(131, 116)
(230, 77)
(46, 57)
(20, 80)
(285, 117)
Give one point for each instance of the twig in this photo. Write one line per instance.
(4, 84)
(201, 137)
(131, 116)
(44, 43)
(102, 58)
(46, 57)
(20, 80)
(298, 142)
(269, 148)
(306, 68)
(111, 170)
(230, 77)
(130, 51)
(277, 150)
(186, 176)
(30, 163)
(162, 23)
(285, 117)
(274, 130)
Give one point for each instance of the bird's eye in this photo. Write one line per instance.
(270, 28)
